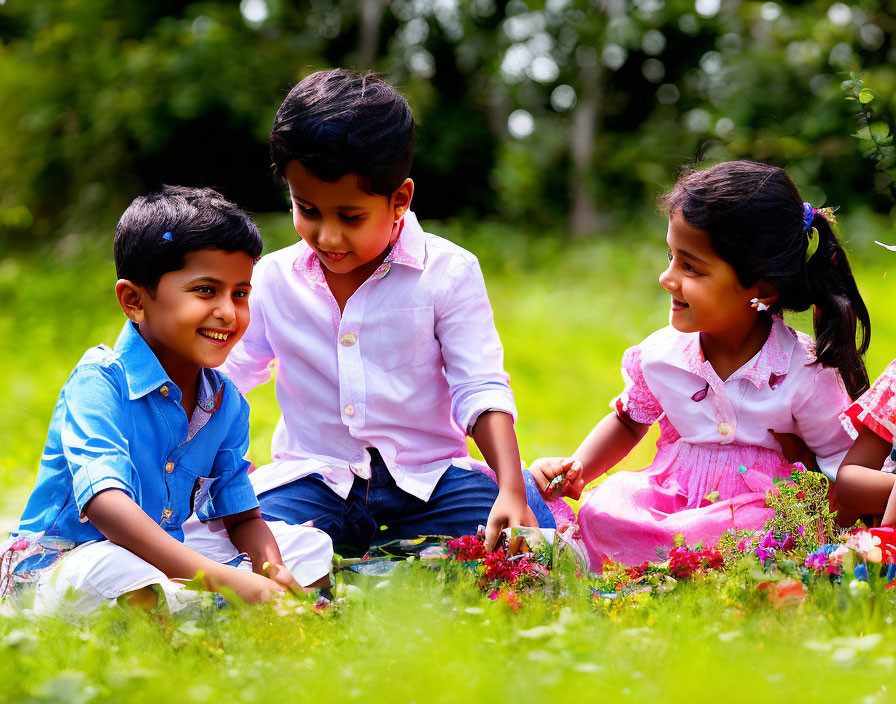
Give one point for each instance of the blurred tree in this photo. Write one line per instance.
(541, 112)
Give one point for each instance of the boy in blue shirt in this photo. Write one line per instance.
(146, 433)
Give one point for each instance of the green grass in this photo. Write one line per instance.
(566, 310)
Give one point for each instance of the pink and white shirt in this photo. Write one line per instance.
(781, 388)
(407, 368)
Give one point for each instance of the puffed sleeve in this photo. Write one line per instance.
(249, 363)
(636, 399)
(231, 491)
(876, 408)
(95, 448)
(821, 399)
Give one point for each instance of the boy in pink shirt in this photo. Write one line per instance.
(388, 355)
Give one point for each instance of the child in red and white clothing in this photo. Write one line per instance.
(866, 483)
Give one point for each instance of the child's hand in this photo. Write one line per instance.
(250, 587)
(508, 511)
(281, 576)
(546, 470)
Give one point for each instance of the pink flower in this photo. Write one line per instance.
(20, 544)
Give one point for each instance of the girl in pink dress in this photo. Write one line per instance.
(727, 379)
(866, 483)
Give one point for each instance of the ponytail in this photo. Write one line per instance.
(758, 223)
(840, 312)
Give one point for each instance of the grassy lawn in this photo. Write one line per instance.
(566, 311)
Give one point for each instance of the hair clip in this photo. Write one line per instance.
(812, 244)
(758, 305)
(167, 237)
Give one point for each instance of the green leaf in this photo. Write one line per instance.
(866, 95)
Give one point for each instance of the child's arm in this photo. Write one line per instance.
(606, 445)
(124, 523)
(250, 534)
(494, 436)
(861, 487)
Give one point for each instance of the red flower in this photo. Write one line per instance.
(466, 548)
(887, 546)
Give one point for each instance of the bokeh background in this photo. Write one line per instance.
(546, 131)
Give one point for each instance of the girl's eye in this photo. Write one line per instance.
(240, 294)
(688, 267)
(205, 290)
(352, 218)
(306, 211)
(669, 254)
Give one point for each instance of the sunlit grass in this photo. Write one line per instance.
(566, 310)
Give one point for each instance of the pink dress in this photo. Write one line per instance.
(876, 410)
(716, 458)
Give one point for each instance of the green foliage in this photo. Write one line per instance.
(522, 107)
(803, 501)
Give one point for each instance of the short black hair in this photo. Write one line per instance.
(341, 122)
(158, 229)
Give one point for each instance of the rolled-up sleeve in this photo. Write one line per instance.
(249, 363)
(231, 492)
(95, 448)
(471, 348)
(817, 415)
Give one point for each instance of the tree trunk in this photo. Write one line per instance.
(584, 218)
(371, 12)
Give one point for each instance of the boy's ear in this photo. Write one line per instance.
(766, 293)
(130, 298)
(401, 199)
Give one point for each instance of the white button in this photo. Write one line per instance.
(724, 428)
(348, 339)
(349, 410)
(169, 467)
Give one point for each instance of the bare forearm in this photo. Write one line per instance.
(250, 534)
(494, 436)
(123, 522)
(607, 444)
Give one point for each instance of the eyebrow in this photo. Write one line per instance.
(338, 207)
(212, 280)
(693, 256)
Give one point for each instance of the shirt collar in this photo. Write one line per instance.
(767, 367)
(409, 250)
(145, 374)
(141, 367)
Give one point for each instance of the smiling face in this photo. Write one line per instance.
(197, 313)
(706, 294)
(346, 227)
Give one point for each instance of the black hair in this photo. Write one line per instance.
(340, 122)
(158, 229)
(753, 214)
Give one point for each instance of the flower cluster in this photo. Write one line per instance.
(683, 562)
(467, 548)
(499, 569)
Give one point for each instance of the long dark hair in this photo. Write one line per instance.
(753, 214)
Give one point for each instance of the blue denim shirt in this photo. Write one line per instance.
(118, 424)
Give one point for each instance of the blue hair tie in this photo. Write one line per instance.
(167, 237)
(811, 233)
(808, 215)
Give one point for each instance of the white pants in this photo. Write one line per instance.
(95, 573)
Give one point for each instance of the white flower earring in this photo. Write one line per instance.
(758, 305)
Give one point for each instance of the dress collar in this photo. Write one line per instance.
(767, 367)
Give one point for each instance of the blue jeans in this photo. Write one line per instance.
(377, 511)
